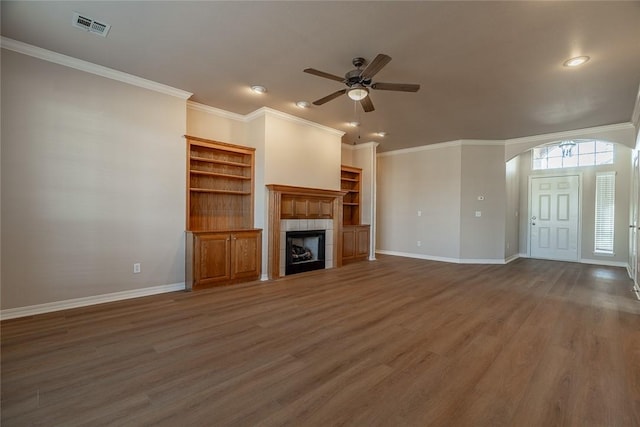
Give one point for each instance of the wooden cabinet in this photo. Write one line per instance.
(355, 236)
(222, 245)
(355, 242)
(350, 178)
(222, 257)
(305, 207)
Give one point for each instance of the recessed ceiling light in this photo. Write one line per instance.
(353, 124)
(574, 62)
(258, 89)
(381, 134)
(303, 104)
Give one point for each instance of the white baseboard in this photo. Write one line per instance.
(604, 262)
(12, 313)
(442, 259)
(595, 262)
(513, 257)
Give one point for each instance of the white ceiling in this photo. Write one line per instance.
(488, 70)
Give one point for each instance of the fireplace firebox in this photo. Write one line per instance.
(305, 251)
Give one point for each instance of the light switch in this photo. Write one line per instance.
(478, 213)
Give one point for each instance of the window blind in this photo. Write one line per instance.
(605, 212)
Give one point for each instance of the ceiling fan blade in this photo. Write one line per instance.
(323, 74)
(401, 87)
(376, 65)
(328, 98)
(367, 104)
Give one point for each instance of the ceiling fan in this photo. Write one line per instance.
(359, 82)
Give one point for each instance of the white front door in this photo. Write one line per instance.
(554, 217)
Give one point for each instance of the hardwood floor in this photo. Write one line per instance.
(395, 342)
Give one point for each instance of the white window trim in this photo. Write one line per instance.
(596, 250)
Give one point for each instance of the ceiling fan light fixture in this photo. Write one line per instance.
(575, 62)
(258, 89)
(303, 104)
(353, 124)
(358, 93)
(381, 134)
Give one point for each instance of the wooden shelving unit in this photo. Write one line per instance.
(222, 245)
(355, 236)
(350, 182)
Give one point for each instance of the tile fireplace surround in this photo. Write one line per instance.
(305, 225)
(301, 209)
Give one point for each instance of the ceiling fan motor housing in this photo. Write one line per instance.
(353, 77)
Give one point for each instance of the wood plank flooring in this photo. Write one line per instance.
(394, 342)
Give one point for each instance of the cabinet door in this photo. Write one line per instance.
(212, 254)
(246, 249)
(348, 243)
(362, 242)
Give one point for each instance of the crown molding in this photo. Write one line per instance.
(448, 144)
(481, 142)
(88, 67)
(266, 111)
(215, 111)
(437, 146)
(352, 147)
(569, 134)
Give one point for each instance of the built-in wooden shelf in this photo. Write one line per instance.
(221, 175)
(222, 245)
(350, 183)
(355, 236)
(220, 162)
(209, 190)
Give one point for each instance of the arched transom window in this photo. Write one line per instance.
(573, 153)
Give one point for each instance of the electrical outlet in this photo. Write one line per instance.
(418, 243)
(478, 214)
(136, 267)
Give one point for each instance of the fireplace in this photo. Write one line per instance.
(305, 251)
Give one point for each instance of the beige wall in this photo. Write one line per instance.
(301, 155)
(203, 124)
(347, 154)
(622, 167)
(426, 180)
(512, 214)
(445, 183)
(93, 180)
(483, 175)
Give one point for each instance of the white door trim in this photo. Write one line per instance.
(530, 214)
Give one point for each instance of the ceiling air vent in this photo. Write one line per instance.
(90, 24)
